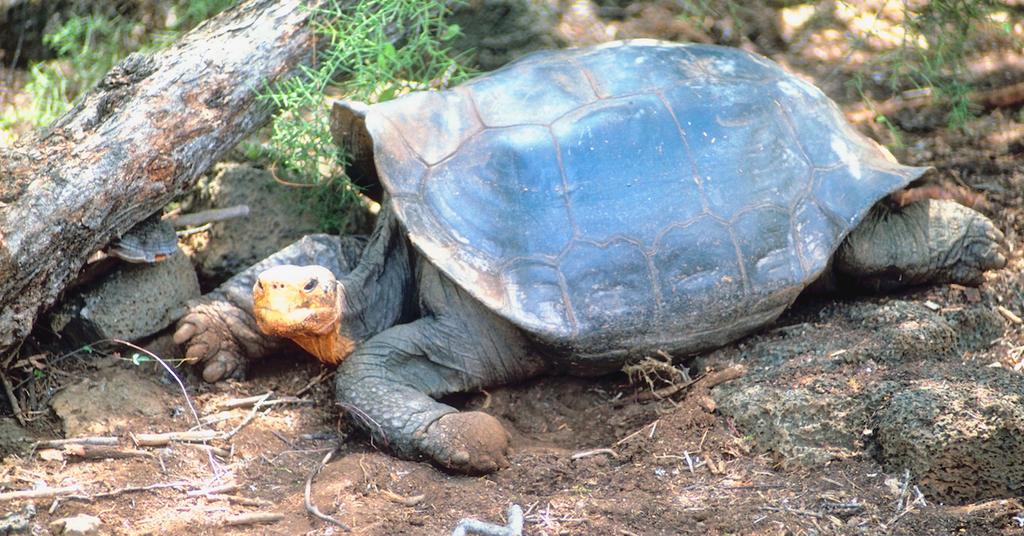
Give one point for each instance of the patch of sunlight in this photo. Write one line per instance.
(794, 18)
(880, 25)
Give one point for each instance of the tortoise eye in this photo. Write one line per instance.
(310, 285)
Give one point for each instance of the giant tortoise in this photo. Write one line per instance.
(575, 210)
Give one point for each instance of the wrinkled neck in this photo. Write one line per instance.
(330, 346)
(378, 293)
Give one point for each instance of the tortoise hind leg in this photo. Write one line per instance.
(388, 384)
(930, 241)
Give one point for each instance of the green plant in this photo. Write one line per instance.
(895, 135)
(86, 47)
(358, 59)
(88, 44)
(939, 36)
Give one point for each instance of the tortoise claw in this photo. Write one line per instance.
(217, 335)
(470, 442)
(222, 366)
(184, 333)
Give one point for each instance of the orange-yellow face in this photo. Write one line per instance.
(301, 303)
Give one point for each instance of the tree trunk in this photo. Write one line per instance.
(142, 136)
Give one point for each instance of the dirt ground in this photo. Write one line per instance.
(588, 457)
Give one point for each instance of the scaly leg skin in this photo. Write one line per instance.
(931, 241)
(219, 331)
(387, 384)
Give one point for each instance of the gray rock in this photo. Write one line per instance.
(888, 380)
(13, 438)
(275, 220)
(133, 302)
(107, 402)
(18, 522)
(77, 525)
(495, 32)
(805, 427)
(963, 440)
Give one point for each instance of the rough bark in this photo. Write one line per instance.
(142, 136)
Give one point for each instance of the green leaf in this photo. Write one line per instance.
(451, 32)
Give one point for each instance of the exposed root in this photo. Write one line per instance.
(310, 507)
(513, 528)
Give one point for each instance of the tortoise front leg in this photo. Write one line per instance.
(219, 330)
(388, 383)
(925, 242)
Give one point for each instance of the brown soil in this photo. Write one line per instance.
(587, 457)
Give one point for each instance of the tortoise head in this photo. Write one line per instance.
(302, 303)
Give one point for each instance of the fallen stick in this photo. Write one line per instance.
(652, 425)
(216, 451)
(253, 518)
(13, 399)
(254, 401)
(308, 499)
(164, 439)
(244, 402)
(209, 216)
(129, 489)
(797, 511)
(1009, 315)
(410, 501)
(214, 418)
(253, 413)
(315, 381)
(1001, 97)
(91, 440)
(103, 452)
(224, 488)
(238, 499)
(513, 528)
(42, 493)
(594, 452)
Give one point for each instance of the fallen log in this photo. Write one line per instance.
(1000, 97)
(143, 135)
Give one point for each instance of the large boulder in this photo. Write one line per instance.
(133, 302)
(889, 379)
(276, 218)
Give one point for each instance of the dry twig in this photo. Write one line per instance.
(320, 378)
(92, 440)
(164, 439)
(411, 500)
(252, 518)
(129, 489)
(103, 452)
(310, 507)
(12, 398)
(223, 488)
(238, 499)
(594, 452)
(209, 216)
(473, 526)
(42, 493)
(708, 381)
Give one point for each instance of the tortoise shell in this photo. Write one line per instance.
(632, 196)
